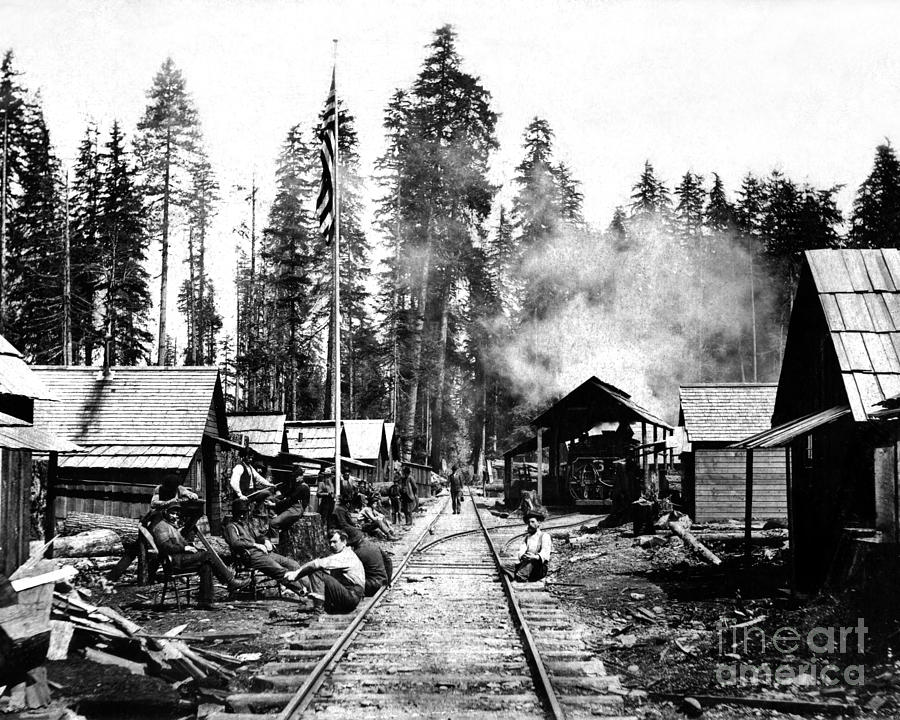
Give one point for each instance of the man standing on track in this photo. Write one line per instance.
(534, 552)
(455, 489)
(337, 582)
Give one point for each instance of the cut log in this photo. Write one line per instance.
(304, 540)
(77, 522)
(678, 528)
(105, 658)
(90, 543)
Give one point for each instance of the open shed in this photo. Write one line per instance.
(714, 416)
(136, 424)
(19, 388)
(367, 441)
(841, 365)
(605, 468)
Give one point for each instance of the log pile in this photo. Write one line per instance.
(105, 636)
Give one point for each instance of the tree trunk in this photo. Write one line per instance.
(412, 398)
(191, 358)
(91, 543)
(164, 271)
(438, 415)
(200, 315)
(78, 522)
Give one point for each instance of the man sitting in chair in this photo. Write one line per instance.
(184, 557)
(256, 549)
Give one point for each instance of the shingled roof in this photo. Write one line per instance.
(726, 412)
(314, 439)
(125, 418)
(860, 295)
(265, 431)
(16, 378)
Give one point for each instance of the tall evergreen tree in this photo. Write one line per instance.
(85, 236)
(875, 221)
(444, 197)
(718, 215)
(35, 244)
(689, 209)
(649, 195)
(122, 257)
(168, 138)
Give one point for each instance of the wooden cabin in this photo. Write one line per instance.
(314, 440)
(421, 475)
(136, 424)
(265, 432)
(367, 441)
(841, 443)
(612, 448)
(19, 388)
(713, 417)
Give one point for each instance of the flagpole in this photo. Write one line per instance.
(337, 287)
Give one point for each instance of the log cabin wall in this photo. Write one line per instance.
(15, 508)
(719, 482)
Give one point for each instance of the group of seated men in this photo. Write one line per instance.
(355, 568)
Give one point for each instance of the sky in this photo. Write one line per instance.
(809, 88)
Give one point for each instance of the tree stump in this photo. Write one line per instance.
(305, 539)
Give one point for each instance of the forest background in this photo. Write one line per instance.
(466, 305)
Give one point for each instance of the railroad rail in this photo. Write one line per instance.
(452, 638)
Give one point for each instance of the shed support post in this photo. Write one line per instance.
(540, 466)
(645, 469)
(654, 478)
(50, 497)
(748, 507)
(790, 514)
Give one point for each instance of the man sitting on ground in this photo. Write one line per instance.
(377, 565)
(534, 552)
(256, 549)
(336, 582)
(369, 521)
(185, 557)
(343, 519)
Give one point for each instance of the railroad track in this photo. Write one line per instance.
(452, 638)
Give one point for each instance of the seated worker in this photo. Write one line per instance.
(256, 549)
(246, 479)
(336, 582)
(534, 552)
(291, 502)
(370, 521)
(342, 519)
(170, 493)
(377, 565)
(184, 556)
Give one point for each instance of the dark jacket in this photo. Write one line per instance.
(342, 520)
(376, 562)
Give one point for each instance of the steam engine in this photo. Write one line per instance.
(600, 469)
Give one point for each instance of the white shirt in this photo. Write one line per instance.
(344, 562)
(537, 544)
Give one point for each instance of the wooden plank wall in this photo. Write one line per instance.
(720, 484)
(15, 508)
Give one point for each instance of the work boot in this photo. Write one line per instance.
(237, 584)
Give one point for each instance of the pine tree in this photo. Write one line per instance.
(35, 243)
(875, 222)
(689, 209)
(649, 195)
(616, 231)
(85, 234)
(167, 141)
(719, 213)
(537, 206)
(444, 197)
(123, 254)
(571, 199)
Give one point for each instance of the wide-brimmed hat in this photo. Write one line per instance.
(533, 514)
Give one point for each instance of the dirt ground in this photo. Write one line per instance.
(656, 615)
(651, 615)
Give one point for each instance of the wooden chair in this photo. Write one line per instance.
(179, 582)
(242, 567)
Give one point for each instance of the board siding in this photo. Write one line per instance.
(720, 484)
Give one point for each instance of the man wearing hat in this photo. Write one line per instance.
(325, 496)
(534, 552)
(292, 501)
(170, 493)
(255, 549)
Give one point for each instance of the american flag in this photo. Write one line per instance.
(325, 209)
